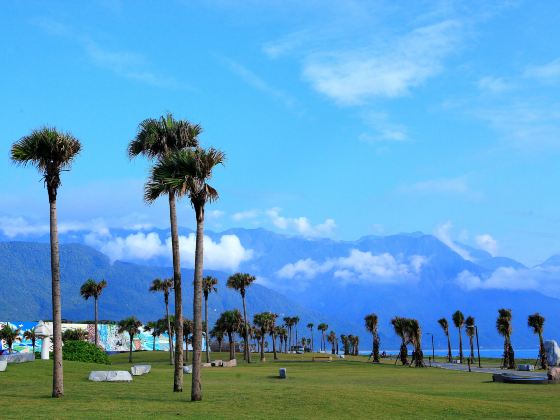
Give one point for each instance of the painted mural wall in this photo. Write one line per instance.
(109, 338)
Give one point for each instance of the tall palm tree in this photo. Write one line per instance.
(289, 323)
(187, 172)
(157, 139)
(188, 329)
(30, 335)
(209, 284)
(445, 326)
(536, 322)
(240, 282)
(130, 325)
(332, 339)
(295, 322)
(323, 327)
(503, 325)
(93, 289)
(459, 321)
(165, 286)
(310, 328)
(155, 328)
(371, 326)
(51, 152)
(345, 343)
(230, 322)
(282, 333)
(469, 329)
(399, 325)
(9, 335)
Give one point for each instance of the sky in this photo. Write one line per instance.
(338, 118)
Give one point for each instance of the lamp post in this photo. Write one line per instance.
(477, 346)
(433, 351)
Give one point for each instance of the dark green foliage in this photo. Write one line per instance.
(82, 351)
(74, 335)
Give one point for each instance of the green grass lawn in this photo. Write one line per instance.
(343, 388)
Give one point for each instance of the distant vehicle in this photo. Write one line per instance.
(297, 349)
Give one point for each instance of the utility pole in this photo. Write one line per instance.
(477, 346)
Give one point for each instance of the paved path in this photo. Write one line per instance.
(465, 368)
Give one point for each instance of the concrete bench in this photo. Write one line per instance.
(110, 376)
(138, 370)
(3, 365)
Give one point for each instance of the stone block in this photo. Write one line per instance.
(138, 370)
(3, 365)
(554, 374)
(525, 368)
(110, 376)
(18, 357)
(282, 373)
(187, 369)
(230, 363)
(217, 363)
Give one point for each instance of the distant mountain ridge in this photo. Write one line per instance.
(339, 282)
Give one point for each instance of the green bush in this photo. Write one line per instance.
(82, 351)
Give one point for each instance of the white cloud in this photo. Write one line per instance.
(357, 267)
(493, 84)
(443, 233)
(215, 214)
(549, 72)
(245, 215)
(302, 225)
(382, 129)
(541, 279)
(18, 226)
(487, 243)
(351, 77)
(225, 254)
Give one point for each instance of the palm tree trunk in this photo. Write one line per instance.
(130, 350)
(449, 355)
(154, 344)
(169, 330)
(186, 351)
(246, 352)
(472, 350)
(206, 332)
(58, 380)
(178, 372)
(96, 321)
(196, 390)
(231, 347)
(274, 346)
(543, 360)
(460, 346)
(262, 348)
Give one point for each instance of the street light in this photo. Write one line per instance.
(433, 351)
(477, 346)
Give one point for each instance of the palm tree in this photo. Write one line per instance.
(414, 333)
(240, 282)
(264, 323)
(281, 332)
(459, 321)
(399, 325)
(218, 335)
(208, 286)
(93, 289)
(285, 335)
(295, 322)
(9, 335)
(156, 139)
(503, 325)
(30, 335)
(323, 327)
(310, 328)
(371, 326)
(289, 323)
(345, 344)
(273, 331)
(332, 339)
(156, 328)
(445, 326)
(188, 329)
(130, 325)
(51, 152)
(165, 286)
(230, 322)
(536, 322)
(469, 329)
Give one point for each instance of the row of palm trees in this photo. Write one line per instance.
(504, 328)
(181, 168)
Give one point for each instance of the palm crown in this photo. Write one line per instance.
(93, 289)
(469, 322)
(240, 282)
(536, 321)
(458, 319)
(371, 323)
(159, 285)
(444, 325)
(158, 137)
(209, 284)
(131, 325)
(50, 151)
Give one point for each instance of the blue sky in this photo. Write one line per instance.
(339, 119)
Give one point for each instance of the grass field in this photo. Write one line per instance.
(341, 389)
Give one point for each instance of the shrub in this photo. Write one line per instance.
(82, 351)
(74, 335)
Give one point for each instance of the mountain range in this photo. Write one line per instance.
(320, 280)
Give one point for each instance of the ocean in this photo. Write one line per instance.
(490, 353)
